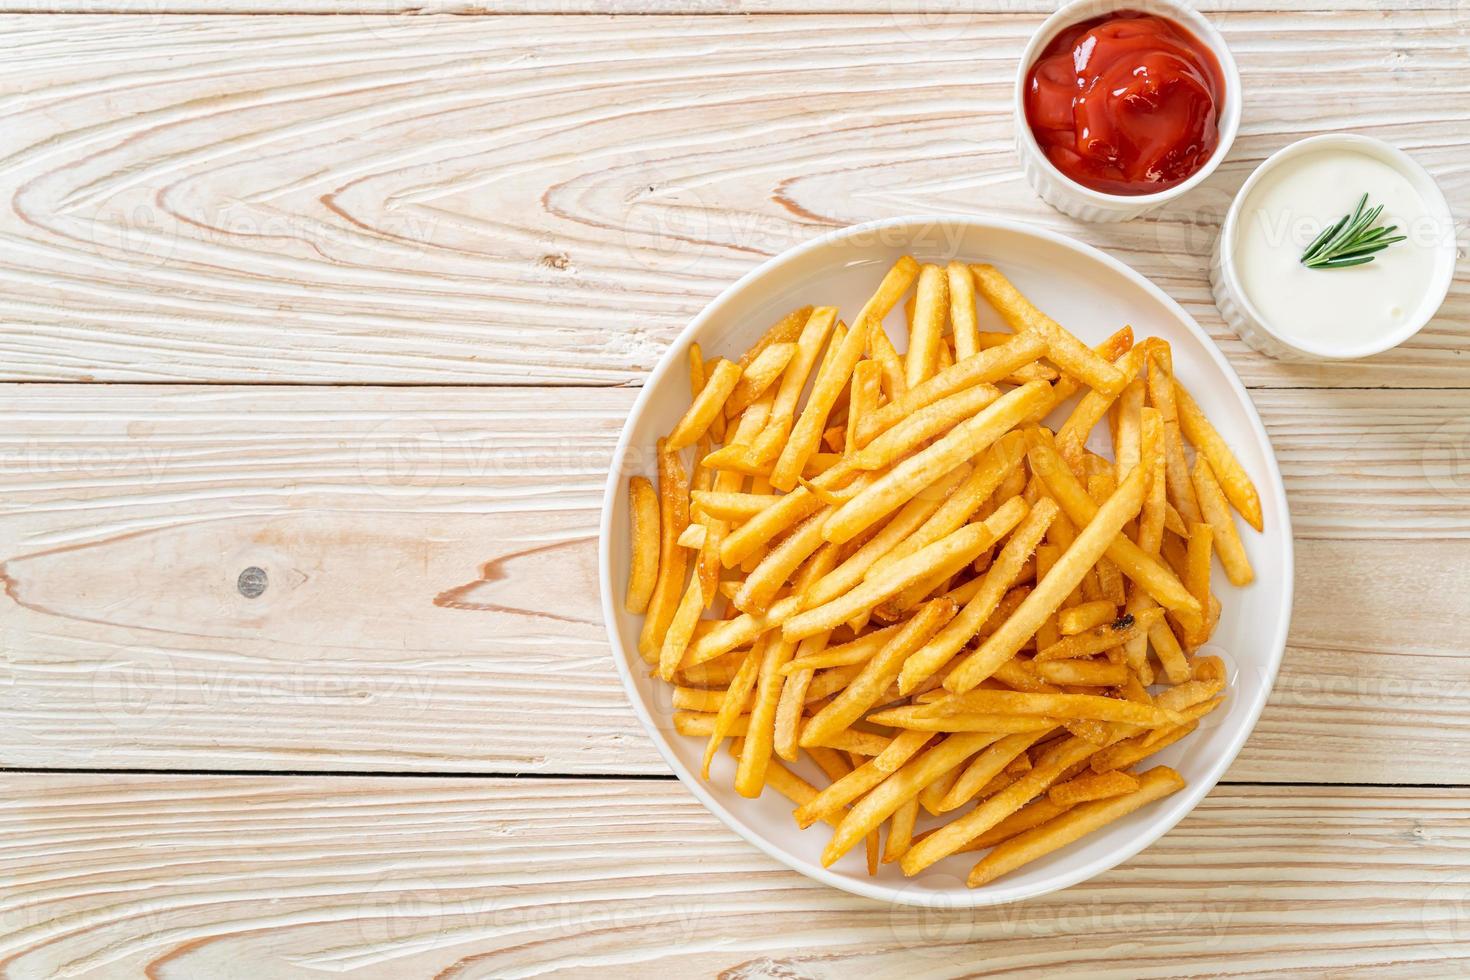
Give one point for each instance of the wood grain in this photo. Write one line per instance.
(525, 878)
(450, 199)
(431, 599)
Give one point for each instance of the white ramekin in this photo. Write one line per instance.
(1253, 328)
(1070, 197)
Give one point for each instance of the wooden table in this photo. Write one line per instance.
(349, 309)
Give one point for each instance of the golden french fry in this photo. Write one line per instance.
(1088, 673)
(962, 319)
(1094, 540)
(1161, 393)
(923, 425)
(957, 833)
(984, 368)
(843, 791)
(899, 528)
(1215, 510)
(681, 630)
(986, 477)
(760, 586)
(1237, 484)
(880, 803)
(1033, 814)
(1127, 428)
(952, 552)
(1091, 407)
(758, 376)
(911, 476)
(1197, 575)
(1055, 706)
(673, 561)
(929, 659)
(1151, 520)
(988, 765)
(913, 718)
(833, 377)
(702, 411)
(877, 673)
(736, 696)
(755, 754)
(1072, 825)
(1132, 560)
(731, 506)
(1064, 350)
(881, 349)
(931, 303)
(867, 393)
(1099, 639)
(643, 536)
(1080, 619)
(900, 831)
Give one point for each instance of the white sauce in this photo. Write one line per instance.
(1332, 308)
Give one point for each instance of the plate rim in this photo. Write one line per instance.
(952, 899)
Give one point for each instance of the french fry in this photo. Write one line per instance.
(986, 367)
(1239, 489)
(681, 630)
(897, 532)
(929, 659)
(880, 803)
(1132, 560)
(928, 422)
(957, 833)
(867, 393)
(1033, 814)
(1100, 639)
(1080, 619)
(862, 779)
(673, 561)
(1215, 510)
(1091, 407)
(913, 718)
(912, 475)
(1072, 825)
(900, 831)
(643, 536)
(962, 319)
(758, 376)
(730, 709)
(1197, 575)
(1064, 350)
(986, 766)
(702, 411)
(833, 377)
(731, 506)
(1094, 540)
(1127, 428)
(1161, 393)
(985, 478)
(877, 673)
(760, 586)
(952, 552)
(857, 651)
(1088, 673)
(881, 349)
(809, 345)
(1055, 706)
(930, 306)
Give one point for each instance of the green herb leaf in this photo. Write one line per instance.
(1352, 240)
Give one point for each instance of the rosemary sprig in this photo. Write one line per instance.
(1352, 241)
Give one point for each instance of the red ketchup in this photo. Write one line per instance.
(1127, 103)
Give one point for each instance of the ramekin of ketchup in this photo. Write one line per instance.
(1119, 110)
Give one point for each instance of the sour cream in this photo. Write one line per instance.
(1346, 312)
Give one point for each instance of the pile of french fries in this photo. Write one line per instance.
(910, 578)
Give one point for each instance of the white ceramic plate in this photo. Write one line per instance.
(1093, 295)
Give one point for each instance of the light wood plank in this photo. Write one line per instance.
(526, 878)
(451, 199)
(432, 596)
(470, 8)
